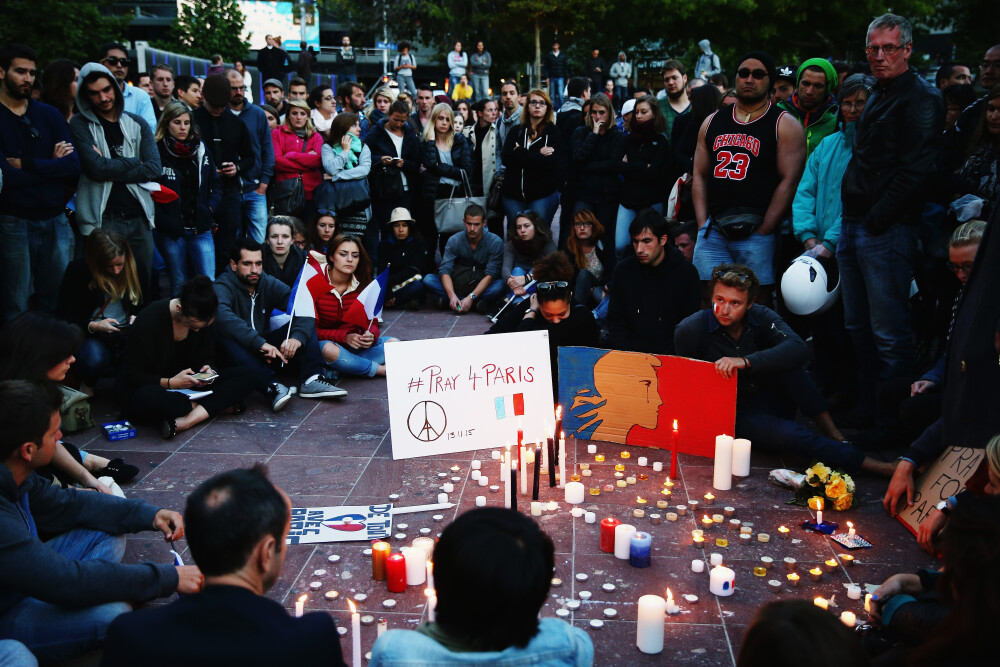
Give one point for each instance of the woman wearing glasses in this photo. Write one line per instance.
(591, 259)
(535, 160)
(297, 147)
(598, 184)
(324, 108)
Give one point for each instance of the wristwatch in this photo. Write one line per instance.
(943, 507)
(472, 295)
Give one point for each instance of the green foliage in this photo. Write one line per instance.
(976, 21)
(205, 27)
(71, 29)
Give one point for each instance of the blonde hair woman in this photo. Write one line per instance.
(446, 156)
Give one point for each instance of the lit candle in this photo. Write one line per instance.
(821, 602)
(706, 522)
(741, 457)
(668, 483)
(562, 459)
(395, 572)
(608, 534)
(868, 600)
(722, 581)
(380, 551)
(599, 458)
(520, 441)
(425, 543)
(709, 499)
(300, 605)
(672, 607)
(558, 428)
(355, 634)
(639, 549)
(783, 532)
(698, 541)
(673, 451)
(816, 574)
(722, 478)
(505, 477)
(625, 454)
(538, 471)
(665, 492)
(831, 564)
(793, 579)
(697, 532)
(416, 565)
(816, 503)
(850, 529)
(619, 467)
(432, 602)
(847, 559)
(640, 501)
(650, 626)
(848, 618)
(623, 537)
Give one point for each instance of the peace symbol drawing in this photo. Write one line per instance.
(427, 421)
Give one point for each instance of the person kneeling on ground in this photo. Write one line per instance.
(511, 561)
(469, 274)
(739, 335)
(169, 339)
(237, 524)
(247, 297)
(58, 597)
(349, 340)
(405, 255)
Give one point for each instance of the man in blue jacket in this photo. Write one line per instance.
(58, 597)
(37, 159)
(255, 180)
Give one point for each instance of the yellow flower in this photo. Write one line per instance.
(819, 470)
(836, 487)
(843, 502)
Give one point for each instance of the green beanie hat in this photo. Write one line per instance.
(823, 64)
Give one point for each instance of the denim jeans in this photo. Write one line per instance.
(432, 282)
(545, 207)
(94, 361)
(15, 654)
(875, 276)
(190, 249)
(254, 215)
(55, 633)
(621, 94)
(713, 249)
(480, 86)
(518, 271)
(140, 239)
(555, 91)
(587, 289)
(32, 251)
(360, 362)
(622, 237)
(406, 83)
(308, 359)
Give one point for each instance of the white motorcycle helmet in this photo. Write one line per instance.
(804, 287)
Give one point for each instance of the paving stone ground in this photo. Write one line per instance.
(334, 452)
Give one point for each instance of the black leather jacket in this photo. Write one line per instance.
(896, 152)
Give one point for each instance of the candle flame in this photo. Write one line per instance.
(303, 597)
(558, 412)
(638, 499)
(670, 596)
(562, 435)
(354, 609)
(675, 424)
(783, 529)
(430, 592)
(850, 525)
(815, 570)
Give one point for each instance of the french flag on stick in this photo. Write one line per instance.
(161, 194)
(300, 301)
(368, 306)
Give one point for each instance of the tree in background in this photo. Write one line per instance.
(205, 27)
(61, 28)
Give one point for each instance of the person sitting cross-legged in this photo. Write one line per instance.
(743, 337)
(247, 297)
(469, 274)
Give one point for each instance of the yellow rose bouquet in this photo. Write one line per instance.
(833, 485)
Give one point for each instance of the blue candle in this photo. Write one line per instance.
(639, 548)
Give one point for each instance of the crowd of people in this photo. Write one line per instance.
(150, 240)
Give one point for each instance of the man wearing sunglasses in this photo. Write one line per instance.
(36, 242)
(895, 156)
(114, 56)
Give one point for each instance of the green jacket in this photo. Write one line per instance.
(818, 124)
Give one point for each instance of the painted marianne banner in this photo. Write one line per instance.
(353, 523)
(633, 398)
(460, 394)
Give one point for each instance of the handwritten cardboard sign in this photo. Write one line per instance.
(352, 523)
(633, 398)
(460, 394)
(944, 478)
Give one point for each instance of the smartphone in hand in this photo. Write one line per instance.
(205, 378)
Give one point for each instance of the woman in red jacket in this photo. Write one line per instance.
(298, 151)
(350, 341)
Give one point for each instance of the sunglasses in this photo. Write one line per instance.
(746, 73)
(326, 212)
(552, 286)
(115, 60)
(742, 276)
(524, 213)
(955, 268)
(32, 130)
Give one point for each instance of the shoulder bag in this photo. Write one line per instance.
(449, 214)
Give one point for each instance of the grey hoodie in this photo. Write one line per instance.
(504, 125)
(708, 62)
(621, 71)
(140, 161)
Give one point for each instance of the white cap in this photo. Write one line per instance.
(628, 107)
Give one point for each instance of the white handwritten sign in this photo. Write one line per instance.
(340, 524)
(944, 478)
(459, 394)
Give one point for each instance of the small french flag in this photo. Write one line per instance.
(161, 194)
(517, 405)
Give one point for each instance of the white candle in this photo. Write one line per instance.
(715, 559)
(536, 508)
(657, 466)
(848, 618)
(850, 529)
(574, 493)
(590, 517)
(854, 592)
(698, 565)
(432, 603)
(642, 461)
(483, 480)
(430, 574)
(447, 487)
(475, 475)
(623, 540)
(425, 543)
(562, 459)
(723, 475)
(741, 457)
(300, 605)
(480, 501)
(524, 470)
(416, 559)
(650, 625)
(355, 634)
(505, 476)
(442, 497)
(476, 464)
(672, 607)
(722, 581)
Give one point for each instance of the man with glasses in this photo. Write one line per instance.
(469, 274)
(255, 180)
(114, 56)
(895, 155)
(651, 291)
(36, 242)
(751, 341)
(747, 164)
(675, 101)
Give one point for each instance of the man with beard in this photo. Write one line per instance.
(114, 56)
(36, 156)
(811, 103)
(247, 296)
(747, 164)
(163, 87)
(510, 100)
(256, 179)
(784, 84)
(274, 94)
(675, 101)
(351, 98)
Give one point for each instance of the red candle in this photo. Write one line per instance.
(520, 443)
(380, 550)
(608, 534)
(673, 454)
(395, 570)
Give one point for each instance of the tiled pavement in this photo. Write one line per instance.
(339, 452)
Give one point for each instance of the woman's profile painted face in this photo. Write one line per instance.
(627, 395)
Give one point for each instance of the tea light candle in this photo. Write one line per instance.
(848, 618)
(847, 559)
(640, 545)
(619, 467)
(585, 473)
(623, 535)
(591, 449)
(729, 511)
(650, 624)
(821, 602)
(625, 454)
(721, 542)
(553, 506)
(655, 519)
(536, 506)
(584, 466)
(697, 532)
(693, 504)
(608, 534)
(442, 498)
(577, 512)
(599, 458)
(746, 529)
(631, 479)
(763, 537)
(608, 488)
(698, 565)
(619, 475)
(642, 477)
(476, 464)
(447, 487)
(595, 490)
(640, 501)
(682, 510)
(718, 518)
(584, 595)
(638, 514)
(668, 483)
(734, 525)
(767, 562)
(665, 492)
(774, 585)
(816, 574)
(698, 542)
(854, 592)
(662, 504)
(783, 532)
(709, 499)
(850, 529)
(621, 484)
(831, 564)
(581, 576)
(789, 563)
(331, 595)
(657, 466)
(722, 581)
(481, 502)
(574, 493)
(575, 478)
(706, 522)
(590, 517)
(671, 516)
(745, 538)
(759, 571)
(793, 580)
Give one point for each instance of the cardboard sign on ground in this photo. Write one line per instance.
(633, 398)
(944, 478)
(460, 394)
(352, 523)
